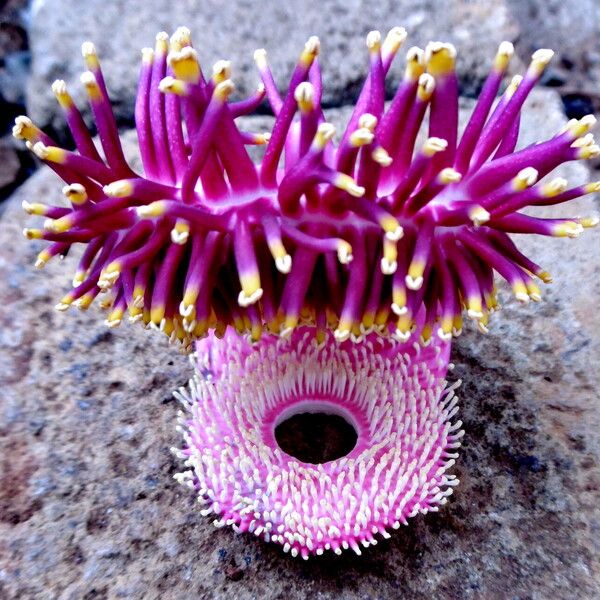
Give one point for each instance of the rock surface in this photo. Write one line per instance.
(232, 30)
(89, 509)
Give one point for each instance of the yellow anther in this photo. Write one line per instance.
(24, 129)
(503, 56)
(374, 41)
(260, 58)
(283, 261)
(114, 318)
(586, 140)
(544, 276)
(393, 40)
(399, 299)
(449, 175)
(415, 64)
(414, 277)
(524, 179)
(342, 333)
(251, 291)
(389, 262)
(324, 135)
(304, 95)
(221, 71)
(181, 38)
(426, 334)
(344, 252)
(368, 121)
(185, 65)
(361, 137)
(223, 90)
(59, 225)
(161, 46)
(90, 56)
(520, 292)
(440, 58)
(346, 183)
(33, 234)
(511, 88)
(35, 208)
(154, 209)
(478, 215)
(59, 88)
(444, 332)
(147, 56)
(579, 127)
(50, 153)
(88, 79)
(474, 308)
(119, 189)
(433, 145)
(180, 233)
(588, 222)
(310, 51)
(588, 152)
(554, 187)
(570, 229)
(539, 61)
(534, 291)
(85, 301)
(381, 157)
(426, 87)
(170, 85)
(75, 193)
(393, 229)
(42, 258)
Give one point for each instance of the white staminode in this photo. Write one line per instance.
(397, 402)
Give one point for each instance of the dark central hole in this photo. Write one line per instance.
(316, 437)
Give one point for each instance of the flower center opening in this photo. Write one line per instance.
(315, 433)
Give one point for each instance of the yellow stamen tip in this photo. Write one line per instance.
(344, 252)
(170, 85)
(381, 157)
(539, 61)
(415, 64)
(118, 189)
(440, 58)
(75, 193)
(394, 39)
(324, 135)
(154, 209)
(346, 183)
(374, 41)
(221, 71)
(304, 94)
(479, 215)
(503, 56)
(88, 79)
(525, 178)
(426, 87)
(555, 187)
(361, 137)
(59, 88)
(223, 90)
(433, 145)
(449, 175)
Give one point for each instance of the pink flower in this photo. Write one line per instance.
(351, 237)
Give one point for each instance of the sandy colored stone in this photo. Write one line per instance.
(89, 509)
(232, 30)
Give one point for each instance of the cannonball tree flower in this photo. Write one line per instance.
(372, 237)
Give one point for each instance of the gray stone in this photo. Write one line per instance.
(88, 507)
(233, 30)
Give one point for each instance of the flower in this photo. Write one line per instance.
(353, 237)
(393, 394)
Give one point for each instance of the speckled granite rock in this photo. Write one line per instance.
(88, 507)
(232, 30)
